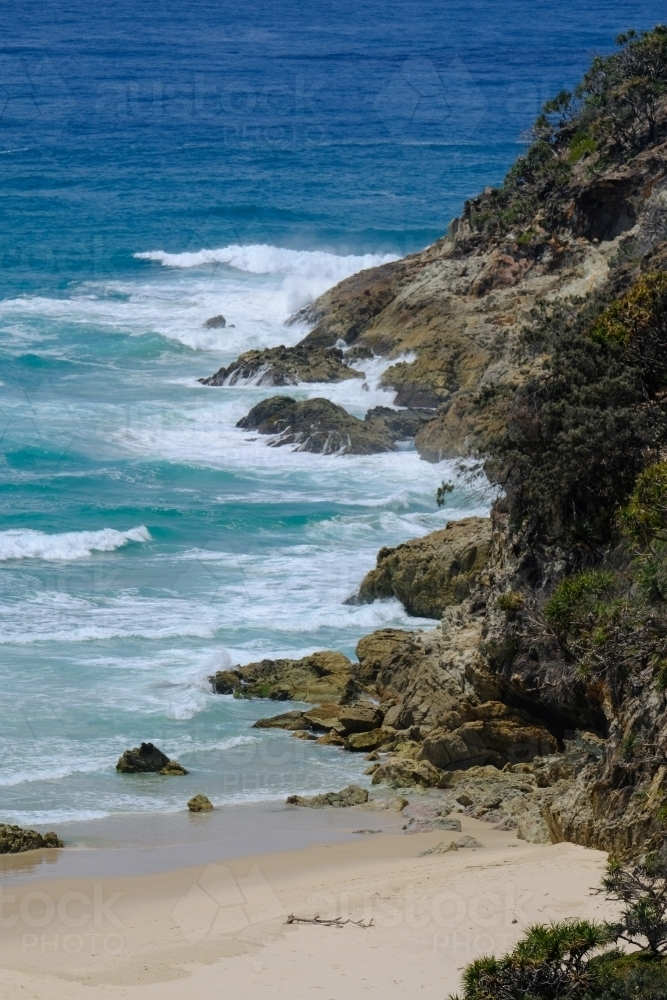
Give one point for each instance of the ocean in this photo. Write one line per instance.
(161, 164)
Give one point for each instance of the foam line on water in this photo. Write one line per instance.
(262, 258)
(26, 543)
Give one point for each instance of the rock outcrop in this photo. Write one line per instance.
(451, 317)
(356, 727)
(16, 839)
(353, 795)
(431, 573)
(147, 759)
(285, 366)
(319, 426)
(320, 677)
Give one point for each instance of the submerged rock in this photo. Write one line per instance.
(200, 804)
(147, 759)
(285, 366)
(325, 676)
(429, 574)
(16, 839)
(215, 322)
(353, 795)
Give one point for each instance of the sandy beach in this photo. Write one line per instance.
(220, 927)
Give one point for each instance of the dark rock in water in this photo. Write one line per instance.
(325, 676)
(147, 759)
(401, 424)
(225, 681)
(15, 839)
(215, 323)
(200, 804)
(320, 426)
(285, 366)
(428, 574)
(353, 795)
(316, 425)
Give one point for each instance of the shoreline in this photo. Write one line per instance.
(136, 844)
(223, 920)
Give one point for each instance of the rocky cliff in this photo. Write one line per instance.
(537, 334)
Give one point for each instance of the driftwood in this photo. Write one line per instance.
(337, 922)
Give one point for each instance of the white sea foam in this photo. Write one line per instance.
(307, 273)
(25, 543)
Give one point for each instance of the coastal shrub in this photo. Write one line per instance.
(642, 889)
(511, 603)
(575, 959)
(615, 109)
(579, 436)
(550, 962)
(644, 523)
(576, 597)
(644, 518)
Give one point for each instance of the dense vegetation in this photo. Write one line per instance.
(579, 437)
(613, 112)
(574, 959)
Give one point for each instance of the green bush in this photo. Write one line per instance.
(575, 597)
(578, 437)
(613, 112)
(550, 962)
(645, 516)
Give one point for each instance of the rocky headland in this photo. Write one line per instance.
(461, 305)
(536, 336)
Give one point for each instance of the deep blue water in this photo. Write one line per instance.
(144, 541)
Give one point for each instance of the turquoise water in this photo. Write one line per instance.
(253, 158)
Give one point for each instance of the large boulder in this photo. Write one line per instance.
(431, 573)
(497, 742)
(148, 759)
(353, 795)
(355, 722)
(200, 804)
(400, 772)
(324, 676)
(370, 740)
(16, 839)
(429, 679)
(285, 366)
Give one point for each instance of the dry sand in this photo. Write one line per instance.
(220, 929)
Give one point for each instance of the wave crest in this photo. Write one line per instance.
(26, 543)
